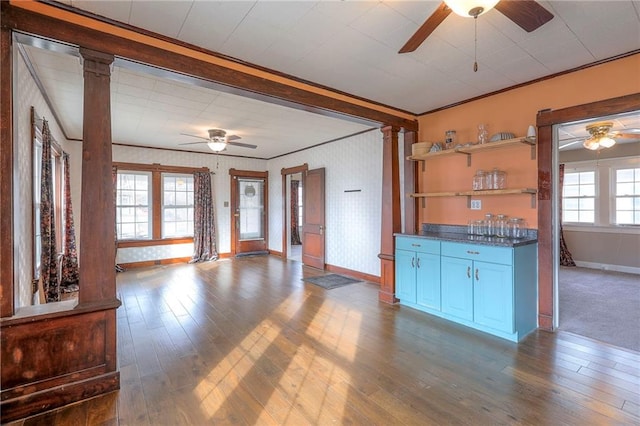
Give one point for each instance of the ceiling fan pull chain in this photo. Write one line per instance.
(475, 44)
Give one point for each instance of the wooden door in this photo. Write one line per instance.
(248, 212)
(313, 228)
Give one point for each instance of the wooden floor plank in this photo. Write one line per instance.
(246, 341)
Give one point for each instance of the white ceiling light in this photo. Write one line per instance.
(599, 137)
(217, 143)
(471, 8)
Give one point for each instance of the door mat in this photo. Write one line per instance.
(330, 281)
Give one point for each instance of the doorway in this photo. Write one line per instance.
(249, 206)
(289, 250)
(295, 216)
(597, 216)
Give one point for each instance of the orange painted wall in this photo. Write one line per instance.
(511, 111)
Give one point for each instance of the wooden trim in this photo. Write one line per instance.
(6, 172)
(391, 221)
(154, 242)
(156, 167)
(148, 263)
(285, 229)
(248, 173)
(296, 169)
(530, 82)
(354, 274)
(410, 186)
(275, 253)
(545, 121)
(239, 78)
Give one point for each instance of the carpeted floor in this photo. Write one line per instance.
(330, 281)
(602, 305)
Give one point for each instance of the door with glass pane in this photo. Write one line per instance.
(248, 212)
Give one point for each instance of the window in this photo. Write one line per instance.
(627, 196)
(133, 219)
(154, 204)
(177, 205)
(578, 197)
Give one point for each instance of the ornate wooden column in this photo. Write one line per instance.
(97, 228)
(6, 174)
(391, 221)
(410, 210)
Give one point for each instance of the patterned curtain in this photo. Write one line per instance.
(48, 255)
(565, 255)
(114, 179)
(69, 275)
(295, 235)
(204, 231)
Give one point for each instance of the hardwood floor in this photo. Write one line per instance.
(246, 342)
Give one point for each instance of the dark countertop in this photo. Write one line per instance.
(459, 237)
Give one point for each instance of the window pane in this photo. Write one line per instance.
(181, 214)
(587, 216)
(181, 198)
(587, 177)
(624, 217)
(624, 188)
(571, 178)
(169, 198)
(588, 190)
(570, 204)
(587, 203)
(570, 216)
(141, 198)
(142, 182)
(624, 203)
(181, 184)
(625, 175)
(169, 183)
(571, 191)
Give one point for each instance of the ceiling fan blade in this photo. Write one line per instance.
(243, 145)
(527, 14)
(193, 143)
(571, 143)
(426, 29)
(195, 136)
(233, 137)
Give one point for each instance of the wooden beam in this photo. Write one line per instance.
(410, 185)
(391, 221)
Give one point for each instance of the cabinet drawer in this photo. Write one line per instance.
(502, 255)
(422, 245)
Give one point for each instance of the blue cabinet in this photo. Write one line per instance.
(418, 272)
(489, 288)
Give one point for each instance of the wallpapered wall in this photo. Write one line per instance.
(29, 95)
(352, 218)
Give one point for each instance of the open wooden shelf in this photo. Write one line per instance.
(468, 150)
(470, 194)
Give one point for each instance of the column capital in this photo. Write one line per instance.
(98, 63)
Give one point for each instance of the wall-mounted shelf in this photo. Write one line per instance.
(469, 150)
(470, 194)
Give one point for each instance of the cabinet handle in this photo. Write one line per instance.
(413, 265)
(416, 245)
(418, 262)
(477, 277)
(472, 252)
(468, 271)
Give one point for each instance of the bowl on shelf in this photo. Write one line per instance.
(501, 136)
(420, 148)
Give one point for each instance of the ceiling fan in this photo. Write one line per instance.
(601, 136)
(527, 14)
(218, 140)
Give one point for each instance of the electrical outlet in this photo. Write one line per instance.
(476, 204)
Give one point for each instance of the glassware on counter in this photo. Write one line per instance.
(489, 225)
(517, 228)
(501, 226)
(475, 227)
(479, 180)
(498, 179)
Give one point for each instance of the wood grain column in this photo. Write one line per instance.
(97, 232)
(545, 227)
(6, 174)
(410, 211)
(391, 221)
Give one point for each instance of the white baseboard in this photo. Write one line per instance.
(607, 267)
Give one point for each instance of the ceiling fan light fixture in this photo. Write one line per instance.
(217, 144)
(591, 143)
(606, 142)
(471, 8)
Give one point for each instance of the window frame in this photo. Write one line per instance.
(156, 170)
(613, 193)
(165, 206)
(584, 169)
(149, 204)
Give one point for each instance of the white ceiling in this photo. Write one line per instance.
(347, 45)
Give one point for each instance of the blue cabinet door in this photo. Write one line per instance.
(428, 280)
(493, 296)
(457, 287)
(405, 276)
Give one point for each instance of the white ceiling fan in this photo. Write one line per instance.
(218, 140)
(601, 136)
